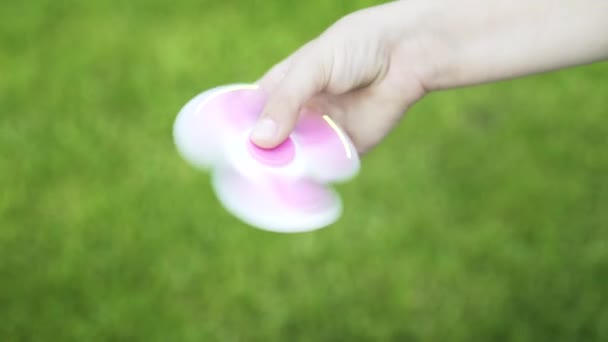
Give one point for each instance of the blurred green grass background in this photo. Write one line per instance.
(482, 217)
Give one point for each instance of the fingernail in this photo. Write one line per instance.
(265, 129)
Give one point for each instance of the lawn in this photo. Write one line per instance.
(484, 215)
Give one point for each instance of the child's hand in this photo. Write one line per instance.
(369, 67)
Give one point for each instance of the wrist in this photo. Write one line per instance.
(416, 34)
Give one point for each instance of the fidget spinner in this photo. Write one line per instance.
(284, 189)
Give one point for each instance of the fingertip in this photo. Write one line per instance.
(264, 133)
(273, 127)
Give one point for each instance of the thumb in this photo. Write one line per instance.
(306, 76)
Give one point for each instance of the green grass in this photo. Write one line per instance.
(484, 216)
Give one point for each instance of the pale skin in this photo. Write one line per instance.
(371, 66)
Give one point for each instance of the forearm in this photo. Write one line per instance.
(475, 41)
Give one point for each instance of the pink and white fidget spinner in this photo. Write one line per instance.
(284, 189)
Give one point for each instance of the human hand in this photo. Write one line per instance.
(359, 71)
